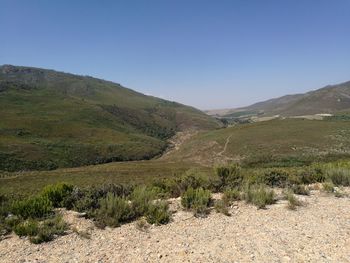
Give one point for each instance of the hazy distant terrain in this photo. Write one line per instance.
(330, 99)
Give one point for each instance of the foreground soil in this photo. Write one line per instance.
(319, 231)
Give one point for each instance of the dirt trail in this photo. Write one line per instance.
(225, 146)
(316, 232)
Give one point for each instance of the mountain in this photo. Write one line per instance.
(330, 99)
(51, 119)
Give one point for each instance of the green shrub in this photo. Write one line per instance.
(59, 195)
(158, 213)
(328, 187)
(49, 229)
(300, 189)
(28, 227)
(221, 207)
(229, 175)
(197, 200)
(44, 231)
(312, 175)
(275, 178)
(176, 186)
(113, 211)
(339, 176)
(140, 199)
(260, 196)
(231, 195)
(34, 207)
(293, 202)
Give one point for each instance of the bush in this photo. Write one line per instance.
(113, 211)
(300, 189)
(328, 187)
(197, 200)
(339, 176)
(293, 202)
(34, 207)
(229, 175)
(140, 199)
(259, 196)
(59, 195)
(49, 229)
(221, 207)
(276, 178)
(27, 228)
(312, 175)
(39, 232)
(87, 200)
(231, 195)
(158, 213)
(175, 187)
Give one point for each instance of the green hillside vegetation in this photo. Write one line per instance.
(277, 142)
(51, 119)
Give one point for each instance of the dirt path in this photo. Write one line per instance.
(316, 232)
(177, 140)
(225, 146)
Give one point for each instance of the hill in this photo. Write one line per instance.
(279, 142)
(330, 99)
(52, 119)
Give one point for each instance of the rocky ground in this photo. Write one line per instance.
(319, 231)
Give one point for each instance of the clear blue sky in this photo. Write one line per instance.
(209, 54)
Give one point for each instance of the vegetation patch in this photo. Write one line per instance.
(259, 195)
(198, 200)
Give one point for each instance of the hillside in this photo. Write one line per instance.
(52, 119)
(330, 99)
(269, 143)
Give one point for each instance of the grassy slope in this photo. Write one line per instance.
(137, 172)
(295, 141)
(268, 141)
(51, 119)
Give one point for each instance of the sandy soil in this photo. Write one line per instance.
(316, 232)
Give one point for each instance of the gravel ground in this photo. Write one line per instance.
(316, 232)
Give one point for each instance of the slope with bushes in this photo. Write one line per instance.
(287, 142)
(52, 119)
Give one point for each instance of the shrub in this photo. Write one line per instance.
(229, 175)
(293, 202)
(87, 200)
(276, 178)
(339, 176)
(158, 213)
(59, 194)
(176, 186)
(221, 207)
(27, 228)
(140, 199)
(328, 187)
(49, 229)
(34, 207)
(197, 200)
(113, 211)
(259, 196)
(231, 195)
(312, 175)
(300, 189)
(44, 231)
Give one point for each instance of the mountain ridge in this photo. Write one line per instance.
(328, 99)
